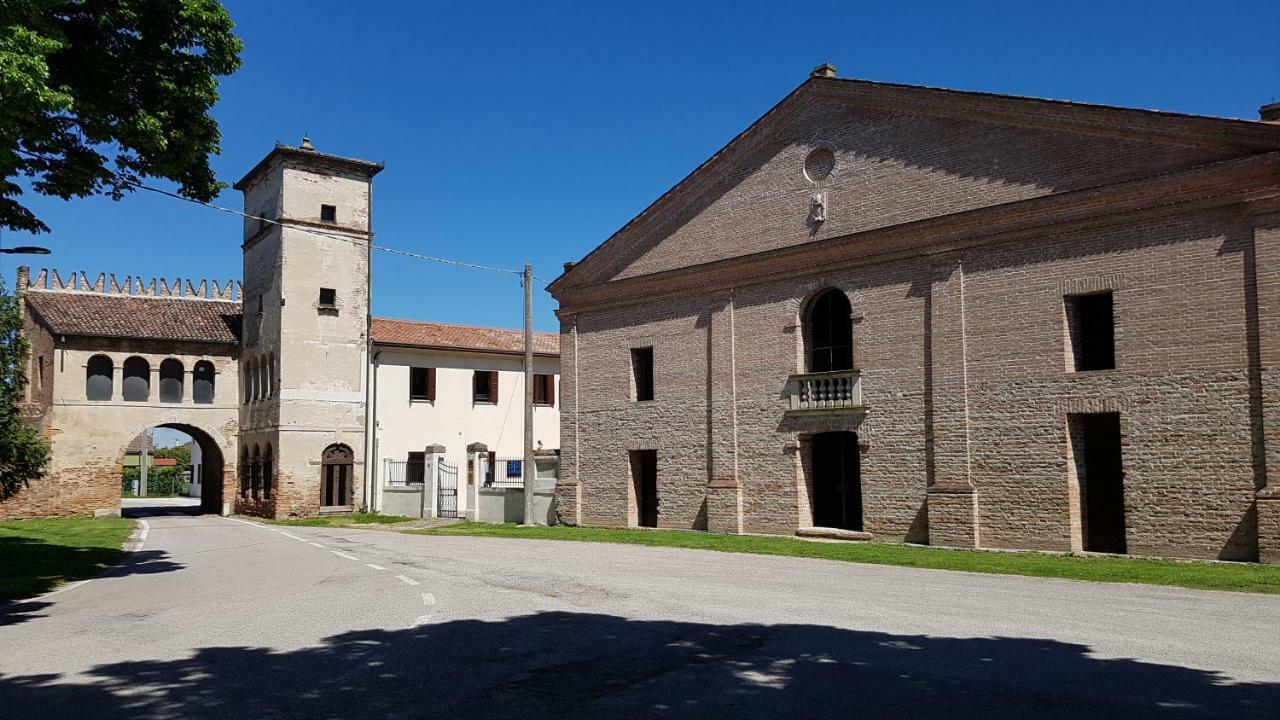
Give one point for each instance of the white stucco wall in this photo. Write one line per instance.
(453, 420)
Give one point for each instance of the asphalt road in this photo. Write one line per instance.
(219, 618)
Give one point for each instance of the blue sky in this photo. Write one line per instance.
(518, 132)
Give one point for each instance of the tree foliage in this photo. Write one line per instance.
(98, 94)
(23, 455)
(181, 453)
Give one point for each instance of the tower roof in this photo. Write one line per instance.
(308, 155)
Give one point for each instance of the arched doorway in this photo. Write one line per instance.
(173, 461)
(837, 481)
(336, 467)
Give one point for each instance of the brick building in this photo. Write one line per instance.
(925, 315)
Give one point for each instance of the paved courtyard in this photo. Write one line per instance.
(214, 617)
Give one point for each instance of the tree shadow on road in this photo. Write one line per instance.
(31, 568)
(572, 665)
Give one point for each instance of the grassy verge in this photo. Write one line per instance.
(1239, 577)
(340, 520)
(40, 555)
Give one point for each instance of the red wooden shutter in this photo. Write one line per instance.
(431, 384)
(493, 386)
(549, 382)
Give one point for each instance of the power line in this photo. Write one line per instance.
(321, 233)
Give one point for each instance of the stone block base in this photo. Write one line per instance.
(953, 517)
(1269, 527)
(568, 502)
(724, 506)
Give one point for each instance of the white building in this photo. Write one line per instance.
(458, 387)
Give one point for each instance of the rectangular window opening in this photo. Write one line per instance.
(422, 385)
(328, 297)
(484, 386)
(328, 214)
(1091, 331)
(544, 390)
(642, 372)
(415, 468)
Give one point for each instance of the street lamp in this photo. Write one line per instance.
(25, 250)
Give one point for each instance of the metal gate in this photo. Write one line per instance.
(447, 490)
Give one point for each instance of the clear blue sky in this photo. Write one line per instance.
(518, 132)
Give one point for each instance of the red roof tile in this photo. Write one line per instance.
(135, 316)
(412, 333)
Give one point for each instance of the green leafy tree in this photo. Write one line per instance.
(23, 455)
(181, 453)
(98, 94)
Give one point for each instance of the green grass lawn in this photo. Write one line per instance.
(340, 520)
(37, 556)
(1240, 577)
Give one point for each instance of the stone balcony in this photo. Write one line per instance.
(838, 391)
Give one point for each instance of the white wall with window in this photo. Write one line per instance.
(432, 396)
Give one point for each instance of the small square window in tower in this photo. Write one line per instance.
(328, 298)
(1091, 331)
(642, 372)
(328, 214)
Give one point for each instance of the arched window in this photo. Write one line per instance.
(336, 465)
(171, 372)
(829, 330)
(244, 472)
(264, 379)
(137, 379)
(202, 382)
(255, 471)
(98, 382)
(268, 478)
(272, 380)
(246, 379)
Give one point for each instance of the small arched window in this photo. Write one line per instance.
(273, 381)
(244, 472)
(264, 379)
(829, 330)
(137, 379)
(171, 372)
(202, 382)
(246, 379)
(255, 471)
(98, 382)
(268, 478)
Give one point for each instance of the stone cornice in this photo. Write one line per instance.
(1058, 115)
(1242, 180)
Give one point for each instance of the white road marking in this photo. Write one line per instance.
(64, 588)
(142, 536)
(428, 599)
(291, 537)
(375, 567)
(316, 545)
(246, 522)
(407, 580)
(344, 555)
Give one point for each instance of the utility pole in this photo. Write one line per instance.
(530, 472)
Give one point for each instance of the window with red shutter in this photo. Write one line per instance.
(484, 386)
(544, 390)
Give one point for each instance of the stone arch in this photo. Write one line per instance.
(212, 467)
(202, 383)
(136, 379)
(172, 380)
(99, 380)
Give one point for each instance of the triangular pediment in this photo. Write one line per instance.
(874, 156)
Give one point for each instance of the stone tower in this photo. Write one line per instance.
(305, 333)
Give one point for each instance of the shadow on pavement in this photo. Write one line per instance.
(30, 568)
(571, 665)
